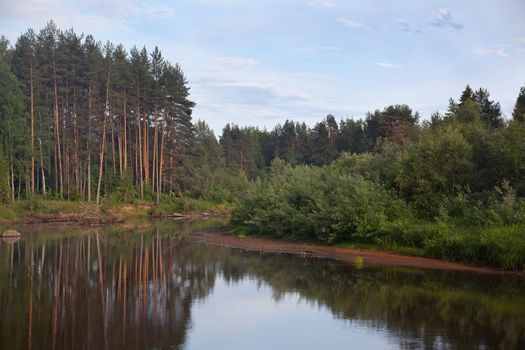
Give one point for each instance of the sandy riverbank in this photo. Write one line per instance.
(221, 237)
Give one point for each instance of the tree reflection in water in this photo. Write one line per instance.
(134, 287)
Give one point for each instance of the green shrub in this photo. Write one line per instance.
(124, 191)
(32, 203)
(504, 247)
(318, 203)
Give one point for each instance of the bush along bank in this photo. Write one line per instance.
(336, 204)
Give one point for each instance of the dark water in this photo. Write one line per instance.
(152, 286)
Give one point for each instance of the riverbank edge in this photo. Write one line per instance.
(220, 236)
(86, 214)
(89, 215)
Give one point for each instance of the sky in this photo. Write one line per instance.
(260, 62)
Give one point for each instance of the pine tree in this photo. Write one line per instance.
(108, 63)
(13, 131)
(5, 51)
(24, 66)
(352, 137)
(490, 110)
(47, 57)
(156, 71)
(467, 94)
(519, 108)
(92, 68)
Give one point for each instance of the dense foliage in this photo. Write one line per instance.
(450, 187)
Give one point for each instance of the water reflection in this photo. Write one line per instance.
(136, 288)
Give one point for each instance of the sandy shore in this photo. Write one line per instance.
(221, 237)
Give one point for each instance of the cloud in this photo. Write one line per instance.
(253, 93)
(39, 12)
(88, 15)
(519, 40)
(407, 27)
(444, 20)
(346, 22)
(388, 65)
(238, 62)
(490, 51)
(516, 45)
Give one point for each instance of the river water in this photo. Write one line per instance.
(155, 286)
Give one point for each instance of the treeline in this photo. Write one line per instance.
(252, 149)
(79, 116)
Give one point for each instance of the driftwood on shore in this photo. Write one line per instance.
(85, 218)
(89, 216)
(184, 216)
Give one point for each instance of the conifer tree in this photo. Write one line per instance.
(518, 113)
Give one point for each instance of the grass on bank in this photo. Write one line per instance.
(16, 210)
(502, 247)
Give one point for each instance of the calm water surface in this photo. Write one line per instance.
(154, 286)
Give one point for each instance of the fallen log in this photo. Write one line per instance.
(181, 216)
(91, 219)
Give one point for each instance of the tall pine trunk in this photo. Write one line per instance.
(119, 144)
(113, 146)
(106, 113)
(32, 127)
(42, 168)
(159, 177)
(125, 138)
(57, 130)
(155, 147)
(90, 102)
(139, 148)
(145, 157)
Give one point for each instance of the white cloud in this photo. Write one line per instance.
(88, 15)
(238, 62)
(388, 65)
(249, 92)
(349, 23)
(443, 15)
(516, 45)
(490, 51)
(444, 20)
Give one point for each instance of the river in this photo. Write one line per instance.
(155, 286)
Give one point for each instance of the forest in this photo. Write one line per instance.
(85, 121)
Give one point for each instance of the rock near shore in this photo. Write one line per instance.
(10, 233)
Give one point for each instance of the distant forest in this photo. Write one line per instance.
(81, 120)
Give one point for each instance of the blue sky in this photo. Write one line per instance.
(261, 62)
